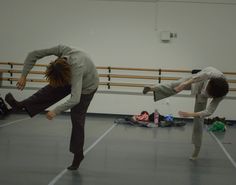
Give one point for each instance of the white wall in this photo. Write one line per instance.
(127, 34)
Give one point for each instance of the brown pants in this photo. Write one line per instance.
(48, 96)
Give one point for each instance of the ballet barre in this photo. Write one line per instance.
(109, 75)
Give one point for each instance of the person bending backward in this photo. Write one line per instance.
(208, 83)
(73, 72)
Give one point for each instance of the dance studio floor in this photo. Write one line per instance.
(34, 151)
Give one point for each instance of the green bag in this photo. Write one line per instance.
(217, 126)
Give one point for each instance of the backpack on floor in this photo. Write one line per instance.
(3, 108)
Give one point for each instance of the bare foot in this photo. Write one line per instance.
(195, 153)
(193, 158)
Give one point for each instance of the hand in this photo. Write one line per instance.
(50, 115)
(185, 114)
(21, 83)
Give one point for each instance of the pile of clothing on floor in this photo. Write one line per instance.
(144, 119)
(217, 124)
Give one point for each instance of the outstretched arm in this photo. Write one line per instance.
(189, 114)
(205, 113)
(35, 55)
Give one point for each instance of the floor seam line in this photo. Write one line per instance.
(12, 122)
(223, 148)
(55, 179)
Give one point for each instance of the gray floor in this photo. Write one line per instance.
(34, 151)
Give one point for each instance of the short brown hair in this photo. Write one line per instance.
(217, 87)
(58, 73)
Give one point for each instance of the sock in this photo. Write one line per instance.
(16, 106)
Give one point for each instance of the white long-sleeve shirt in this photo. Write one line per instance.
(199, 85)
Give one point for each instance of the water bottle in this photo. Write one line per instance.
(156, 117)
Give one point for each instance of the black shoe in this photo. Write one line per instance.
(15, 105)
(76, 162)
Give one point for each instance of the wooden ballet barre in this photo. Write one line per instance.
(123, 68)
(231, 81)
(163, 70)
(135, 85)
(129, 76)
(28, 79)
(11, 71)
(21, 64)
(103, 67)
(148, 69)
(146, 77)
(39, 65)
(125, 84)
(229, 73)
(109, 76)
(20, 71)
(100, 83)
(122, 84)
(101, 75)
(108, 68)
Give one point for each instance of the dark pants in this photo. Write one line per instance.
(48, 96)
